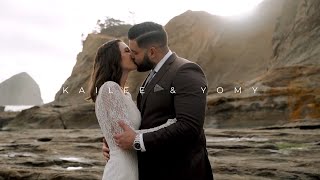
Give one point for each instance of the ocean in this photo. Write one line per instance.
(17, 108)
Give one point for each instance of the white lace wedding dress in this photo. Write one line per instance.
(111, 106)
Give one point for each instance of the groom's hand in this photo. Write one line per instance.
(125, 139)
(105, 149)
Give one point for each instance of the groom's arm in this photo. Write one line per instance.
(190, 105)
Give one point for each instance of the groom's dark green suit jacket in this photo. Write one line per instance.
(177, 152)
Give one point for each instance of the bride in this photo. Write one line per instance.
(112, 64)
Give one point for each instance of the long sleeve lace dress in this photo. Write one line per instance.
(113, 105)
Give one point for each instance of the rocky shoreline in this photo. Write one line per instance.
(290, 151)
(271, 134)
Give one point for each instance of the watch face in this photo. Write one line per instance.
(137, 146)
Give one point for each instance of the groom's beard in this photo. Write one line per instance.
(146, 64)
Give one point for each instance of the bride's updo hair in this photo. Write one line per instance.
(106, 67)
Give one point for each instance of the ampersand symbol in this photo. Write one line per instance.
(172, 91)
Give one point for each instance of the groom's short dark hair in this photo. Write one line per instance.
(148, 33)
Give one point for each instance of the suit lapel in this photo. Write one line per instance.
(156, 79)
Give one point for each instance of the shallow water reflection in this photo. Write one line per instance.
(222, 139)
(74, 168)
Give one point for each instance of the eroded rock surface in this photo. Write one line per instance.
(280, 152)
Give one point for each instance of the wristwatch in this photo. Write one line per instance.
(136, 143)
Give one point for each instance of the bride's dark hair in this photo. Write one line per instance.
(106, 67)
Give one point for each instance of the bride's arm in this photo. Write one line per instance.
(113, 108)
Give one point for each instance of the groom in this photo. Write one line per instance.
(175, 88)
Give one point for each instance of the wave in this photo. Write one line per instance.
(17, 108)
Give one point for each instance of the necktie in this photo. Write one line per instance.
(151, 75)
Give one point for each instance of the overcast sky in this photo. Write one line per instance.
(43, 37)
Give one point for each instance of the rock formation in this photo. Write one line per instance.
(272, 55)
(230, 50)
(290, 89)
(81, 72)
(20, 89)
(68, 110)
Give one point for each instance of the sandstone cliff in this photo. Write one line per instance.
(290, 89)
(230, 50)
(275, 51)
(68, 110)
(81, 72)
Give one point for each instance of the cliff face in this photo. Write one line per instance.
(272, 55)
(81, 73)
(69, 109)
(77, 85)
(296, 38)
(290, 89)
(20, 89)
(230, 50)
(295, 66)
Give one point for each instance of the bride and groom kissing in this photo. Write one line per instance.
(162, 136)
